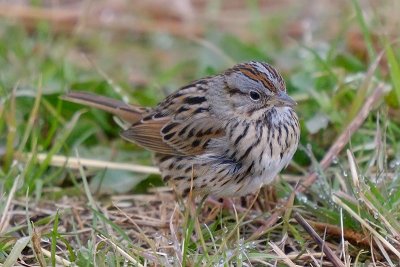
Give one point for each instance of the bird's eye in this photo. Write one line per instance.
(254, 96)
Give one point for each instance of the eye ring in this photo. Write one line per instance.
(255, 96)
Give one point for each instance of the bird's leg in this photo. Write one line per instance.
(227, 203)
(267, 198)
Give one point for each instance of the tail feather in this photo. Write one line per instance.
(120, 109)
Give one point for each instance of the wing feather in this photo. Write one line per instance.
(181, 125)
(147, 134)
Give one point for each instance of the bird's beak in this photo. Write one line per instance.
(282, 99)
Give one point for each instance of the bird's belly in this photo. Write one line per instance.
(223, 175)
(270, 166)
(269, 161)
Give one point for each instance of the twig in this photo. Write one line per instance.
(282, 255)
(59, 260)
(321, 243)
(74, 163)
(3, 221)
(354, 237)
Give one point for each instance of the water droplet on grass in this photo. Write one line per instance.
(157, 235)
(394, 163)
(376, 215)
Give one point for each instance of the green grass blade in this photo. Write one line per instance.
(61, 138)
(32, 118)
(364, 28)
(394, 69)
(54, 235)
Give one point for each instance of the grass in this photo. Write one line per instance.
(107, 207)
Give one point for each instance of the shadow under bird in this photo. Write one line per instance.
(225, 135)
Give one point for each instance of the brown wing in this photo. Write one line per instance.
(147, 135)
(182, 124)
